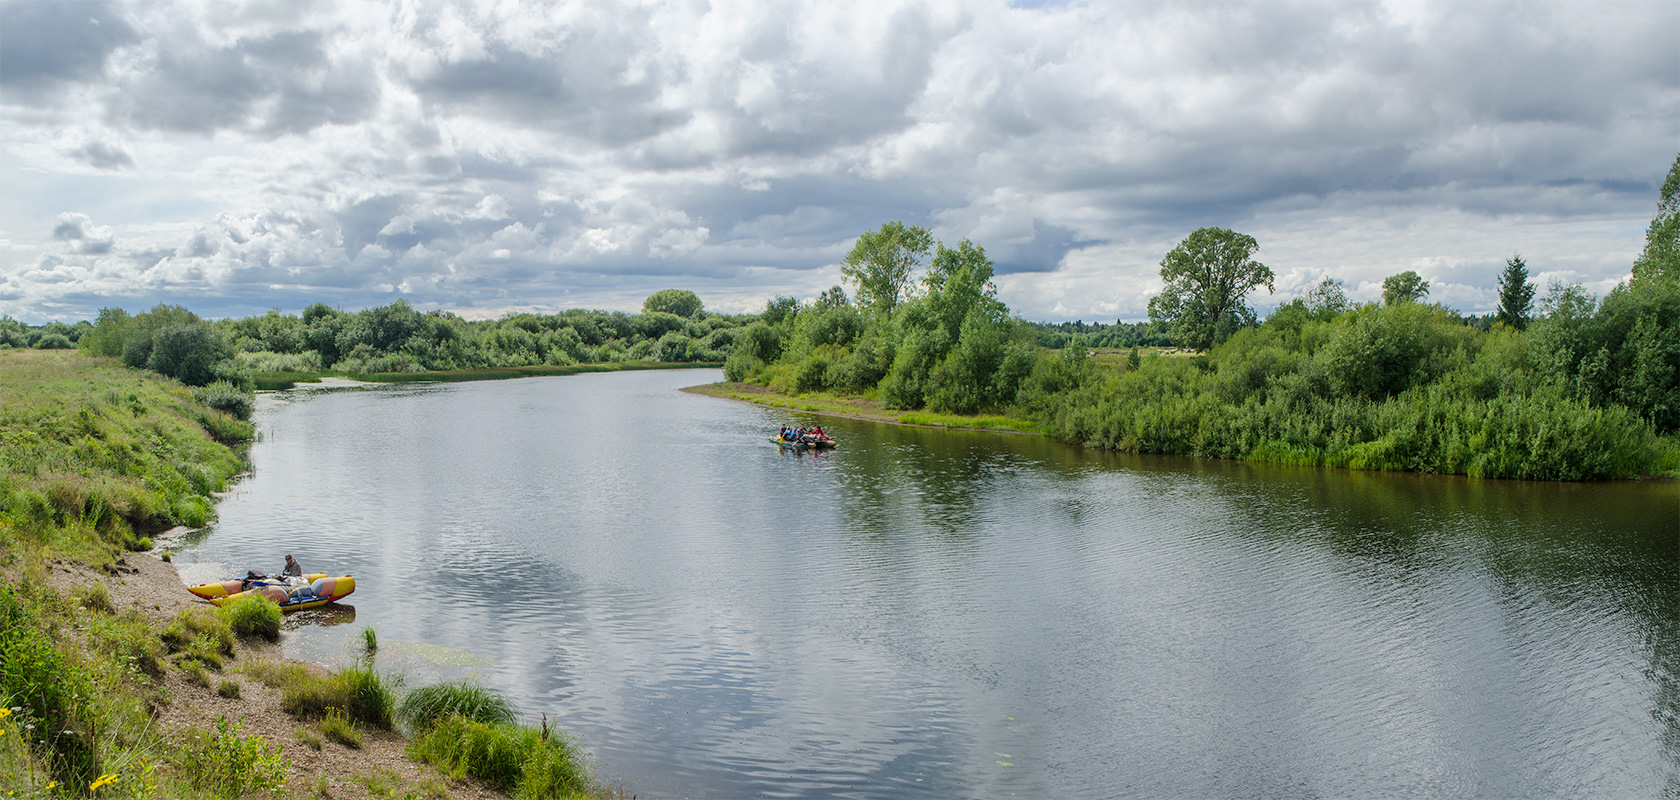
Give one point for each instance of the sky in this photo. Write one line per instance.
(492, 157)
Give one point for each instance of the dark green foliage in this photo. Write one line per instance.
(883, 264)
(1400, 387)
(187, 353)
(54, 341)
(1407, 287)
(225, 396)
(1208, 277)
(680, 302)
(1661, 256)
(780, 311)
(1055, 336)
(1378, 352)
(1327, 299)
(1624, 351)
(1516, 294)
(425, 706)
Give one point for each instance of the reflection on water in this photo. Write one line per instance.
(932, 613)
(325, 616)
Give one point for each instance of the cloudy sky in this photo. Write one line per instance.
(486, 157)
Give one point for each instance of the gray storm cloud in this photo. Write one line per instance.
(473, 157)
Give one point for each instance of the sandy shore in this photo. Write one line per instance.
(154, 589)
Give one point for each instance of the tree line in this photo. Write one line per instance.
(222, 357)
(1580, 388)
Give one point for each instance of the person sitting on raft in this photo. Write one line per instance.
(293, 569)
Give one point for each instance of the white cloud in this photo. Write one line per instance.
(462, 154)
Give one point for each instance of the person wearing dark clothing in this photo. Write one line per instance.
(293, 568)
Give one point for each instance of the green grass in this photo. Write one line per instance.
(425, 706)
(96, 455)
(336, 725)
(253, 615)
(200, 635)
(520, 761)
(359, 691)
(980, 421)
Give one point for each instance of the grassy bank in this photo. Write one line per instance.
(114, 683)
(287, 380)
(835, 405)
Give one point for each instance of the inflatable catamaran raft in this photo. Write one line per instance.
(292, 594)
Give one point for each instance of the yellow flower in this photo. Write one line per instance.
(104, 780)
(5, 712)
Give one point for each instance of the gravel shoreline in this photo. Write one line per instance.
(154, 589)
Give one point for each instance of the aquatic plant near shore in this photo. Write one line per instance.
(422, 708)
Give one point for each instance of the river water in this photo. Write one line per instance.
(943, 614)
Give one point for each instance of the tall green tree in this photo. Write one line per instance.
(1327, 298)
(680, 302)
(1208, 277)
(1516, 294)
(1662, 240)
(1407, 287)
(959, 281)
(883, 262)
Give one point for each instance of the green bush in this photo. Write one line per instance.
(423, 707)
(52, 693)
(253, 615)
(227, 765)
(225, 396)
(188, 353)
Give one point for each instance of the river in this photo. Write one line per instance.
(943, 614)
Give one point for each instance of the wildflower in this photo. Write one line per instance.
(5, 712)
(104, 780)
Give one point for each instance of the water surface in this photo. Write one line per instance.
(940, 614)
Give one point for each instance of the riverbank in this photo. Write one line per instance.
(863, 408)
(116, 679)
(141, 585)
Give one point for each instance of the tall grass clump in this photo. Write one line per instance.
(359, 691)
(422, 708)
(253, 615)
(524, 762)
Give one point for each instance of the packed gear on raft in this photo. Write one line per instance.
(804, 437)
